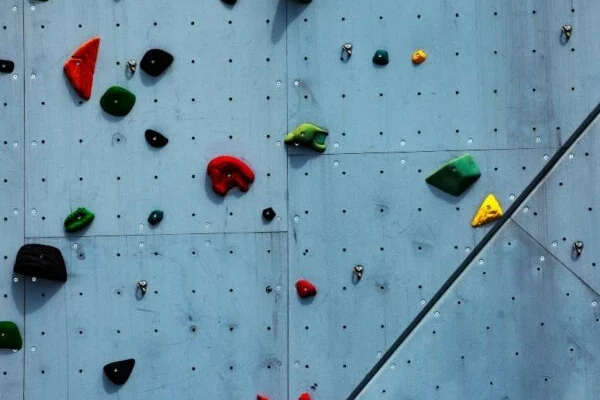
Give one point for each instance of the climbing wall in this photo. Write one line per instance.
(220, 317)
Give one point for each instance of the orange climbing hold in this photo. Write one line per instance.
(227, 172)
(304, 396)
(490, 210)
(419, 56)
(80, 67)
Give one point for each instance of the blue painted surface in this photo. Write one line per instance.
(498, 84)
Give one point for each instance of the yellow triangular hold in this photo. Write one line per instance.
(490, 210)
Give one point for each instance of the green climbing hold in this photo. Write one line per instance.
(381, 57)
(78, 219)
(117, 101)
(10, 338)
(155, 217)
(456, 175)
(308, 135)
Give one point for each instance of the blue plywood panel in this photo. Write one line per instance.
(516, 325)
(409, 237)
(11, 190)
(220, 96)
(564, 209)
(206, 328)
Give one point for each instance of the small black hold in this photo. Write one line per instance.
(269, 214)
(7, 66)
(229, 2)
(118, 372)
(156, 139)
(41, 261)
(155, 217)
(155, 62)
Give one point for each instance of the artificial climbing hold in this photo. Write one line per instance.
(155, 217)
(78, 219)
(304, 1)
(156, 139)
(308, 135)
(261, 397)
(304, 396)
(41, 261)
(455, 176)
(80, 67)
(155, 62)
(490, 210)
(229, 2)
(269, 214)
(419, 56)
(7, 66)
(227, 172)
(381, 57)
(10, 338)
(305, 288)
(118, 372)
(117, 101)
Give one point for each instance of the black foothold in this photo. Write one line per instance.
(155, 217)
(229, 2)
(268, 214)
(41, 261)
(156, 139)
(7, 66)
(118, 372)
(155, 62)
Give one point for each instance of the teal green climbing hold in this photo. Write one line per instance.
(308, 135)
(117, 101)
(10, 338)
(78, 219)
(381, 57)
(456, 175)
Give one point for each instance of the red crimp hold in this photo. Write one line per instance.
(80, 67)
(227, 172)
(305, 289)
(261, 397)
(304, 396)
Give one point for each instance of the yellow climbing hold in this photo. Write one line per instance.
(490, 210)
(419, 56)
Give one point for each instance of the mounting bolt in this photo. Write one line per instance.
(577, 249)
(142, 287)
(358, 272)
(347, 50)
(131, 66)
(567, 30)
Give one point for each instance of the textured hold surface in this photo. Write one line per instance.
(41, 261)
(490, 210)
(456, 175)
(78, 219)
(117, 101)
(119, 371)
(156, 139)
(10, 338)
(304, 396)
(227, 172)
(155, 217)
(155, 62)
(381, 57)
(80, 67)
(229, 2)
(308, 135)
(261, 397)
(419, 56)
(7, 66)
(269, 214)
(305, 288)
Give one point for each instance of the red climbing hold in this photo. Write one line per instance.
(227, 172)
(304, 396)
(261, 397)
(80, 67)
(305, 289)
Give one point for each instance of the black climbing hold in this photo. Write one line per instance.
(155, 217)
(229, 2)
(41, 261)
(7, 66)
(269, 214)
(155, 62)
(156, 139)
(118, 372)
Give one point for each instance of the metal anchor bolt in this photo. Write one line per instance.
(131, 66)
(347, 49)
(567, 30)
(142, 287)
(358, 271)
(577, 248)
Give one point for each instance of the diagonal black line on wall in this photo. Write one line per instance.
(544, 172)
